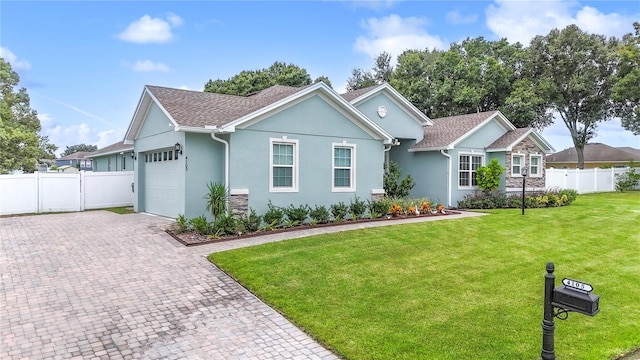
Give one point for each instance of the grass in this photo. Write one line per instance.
(122, 210)
(458, 289)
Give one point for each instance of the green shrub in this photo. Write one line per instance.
(357, 208)
(319, 215)
(216, 199)
(182, 222)
(200, 225)
(571, 195)
(225, 224)
(296, 214)
(499, 199)
(274, 215)
(379, 208)
(488, 177)
(339, 210)
(250, 223)
(627, 180)
(393, 185)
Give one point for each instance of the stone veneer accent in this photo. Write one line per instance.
(527, 147)
(377, 195)
(239, 203)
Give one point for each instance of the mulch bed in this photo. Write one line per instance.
(190, 238)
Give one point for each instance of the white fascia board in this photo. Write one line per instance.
(129, 135)
(194, 129)
(125, 150)
(449, 147)
(141, 112)
(421, 118)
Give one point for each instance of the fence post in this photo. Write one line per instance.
(577, 183)
(36, 188)
(82, 188)
(595, 179)
(613, 179)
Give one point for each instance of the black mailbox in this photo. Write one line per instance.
(572, 299)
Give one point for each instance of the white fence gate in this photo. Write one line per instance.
(585, 181)
(53, 192)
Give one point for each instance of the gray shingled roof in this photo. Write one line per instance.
(508, 138)
(76, 155)
(596, 152)
(447, 130)
(352, 95)
(199, 109)
(113, 148)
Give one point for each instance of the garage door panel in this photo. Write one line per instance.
(163, 188)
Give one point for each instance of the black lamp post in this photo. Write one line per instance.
(523, 172)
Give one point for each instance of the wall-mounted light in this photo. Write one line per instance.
(178, 148)
(133, 155)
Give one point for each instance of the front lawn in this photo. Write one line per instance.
(458, 289)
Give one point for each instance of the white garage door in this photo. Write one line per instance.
(162, 184)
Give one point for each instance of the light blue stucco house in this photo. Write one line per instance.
(310, 145)
(79, 160)
(115, 157)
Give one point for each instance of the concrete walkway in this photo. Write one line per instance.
(98, 285)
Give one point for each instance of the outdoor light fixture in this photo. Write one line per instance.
(523, 172)
(178, 148)
(133, 154)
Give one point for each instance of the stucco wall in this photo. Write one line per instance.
(397, 122)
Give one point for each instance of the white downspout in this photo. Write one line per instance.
(386, 154)
(226, 158)
(448, 177)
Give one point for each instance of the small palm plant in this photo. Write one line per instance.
(217, 199)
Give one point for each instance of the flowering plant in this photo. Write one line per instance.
(441, 209)
(396, 210)
(425, 207)
(411, 210)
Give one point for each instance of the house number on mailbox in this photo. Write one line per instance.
(577, 285)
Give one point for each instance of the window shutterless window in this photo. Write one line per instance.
(344, 156)
(535, 162)
(283, 167)
(467, 166)
(517, 162)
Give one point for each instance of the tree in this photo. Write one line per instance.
(380, 73)
(324, 79)
(360, 79)
(488, 177)
(80, 147)
(21, 145)
(394, 186)
(575, 69)
(626, 91)
(249, 81)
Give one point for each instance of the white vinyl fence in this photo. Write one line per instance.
(53, 192)
(585, 181)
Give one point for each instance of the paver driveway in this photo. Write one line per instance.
(102, 285)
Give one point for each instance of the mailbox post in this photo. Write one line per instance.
(573, 296)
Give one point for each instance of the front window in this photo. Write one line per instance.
(517, 162)
(468, 165)
(536, 162)
(344, 167)
(284, 165)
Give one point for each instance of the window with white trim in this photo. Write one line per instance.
(344, 165)
(468, 164)
(535, 164)
(283, 167)
(517, 162)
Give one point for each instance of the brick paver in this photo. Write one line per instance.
(98, 285)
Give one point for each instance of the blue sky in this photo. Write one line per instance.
(84, 64)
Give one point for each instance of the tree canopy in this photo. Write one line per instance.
(381, 72)
(21, 145)
(626, 91)
(249, 81)
(77, 148)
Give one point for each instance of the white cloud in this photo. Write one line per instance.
(522, 20)
(149, 66)
(151, 30)
(456, 18)
(63, 136)
(12, 59)
(395, 34)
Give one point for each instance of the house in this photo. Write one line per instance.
(444, 159)
(115, 157)
(78, 159)
(67, 169)
(309, 145)
(596, 155)
(285, 145)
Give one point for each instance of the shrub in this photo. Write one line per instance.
(499, 199)
(627, 180)
(339, 211)
(319, 215)
(357, 208)
(296, 215)
(379, 208)
(393, 186)
(200, 225)
(250, 223)
(183, 223)
(225, 225)
(571, 195)
(274, 216)
(488, 177)
(216, 199)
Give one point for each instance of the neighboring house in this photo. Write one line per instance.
(312, 146)
(115, 157)
(595, 156)
(77, 159)
(444, 162)
(67, 169)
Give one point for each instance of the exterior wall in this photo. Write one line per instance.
(527, 147)
(397, 122)
(113, 162)
(204, 158)
(316, 125)
(428, 169)
(156, 134)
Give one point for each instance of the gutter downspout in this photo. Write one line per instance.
(448, 176)
(226, 161)
(386, 154)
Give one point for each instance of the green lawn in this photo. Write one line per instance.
(458, 289)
